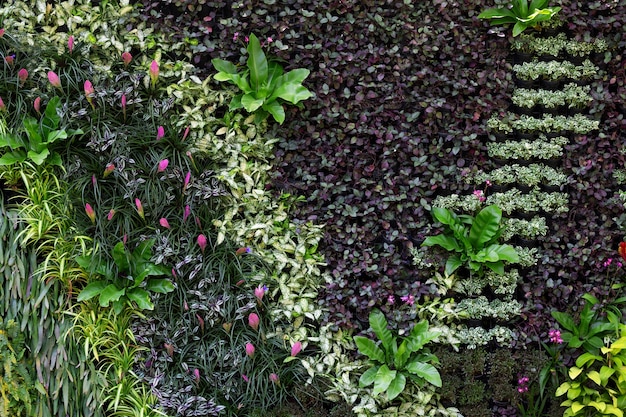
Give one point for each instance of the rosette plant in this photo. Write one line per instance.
(474, 240)
(521, 14)
(262, 83)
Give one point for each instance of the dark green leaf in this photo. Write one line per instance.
(396, 386)
(276, 110)
(384, 376)
(426, 371)
(160, 286)
(257, 64)
(141, 297)
(485, 226)
(13, 157)
(369, 349)
(110, 293)
(91, 290)
(368, 377)
(121, 257)
(379, 325)
(226, 67)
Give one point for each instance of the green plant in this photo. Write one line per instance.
(598, 381)
(391, 363)
(126, 280)
(474, 239)
(40, 136)
(522, 15)
(263, 83)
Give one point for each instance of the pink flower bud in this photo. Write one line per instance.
(70, 44)
(163, 165)
(243, 250)
(2, 106)
(253, 321)
(107, 171)
(37, 104)
(111, 214)
(187, 212)
(259, 292)
(126, 58)
(250, 349)
(22, 74)
(139, 208)
(202, 242)
(1, 32)
(94, 181)
(296, 348)
(200, 322)
(89, 91)
(186, 133)
(154, 72)
(160, 133)
(245, 377)
(196, 375)
(274, 378)
(187, 179)
(164, 223)
(9, 59)
(90, 213)
(54, 79)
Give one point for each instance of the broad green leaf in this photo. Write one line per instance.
(222, 76)
(368, 377)
(419, 336)
(496, 13)
(562, 389)
(84, 262)
(384, 376)
(497, 267)
(594, 376)
(565, 320)
(257, 64)
(369, 349)
(250, 103)
(118, 306)
(110, 293)
(485, 227)
(396, 386)
(235, 103)
(141, 297)
(121, 257)
(241, 81)
(55, 159)
(619, 343)
(544, 376)
(538, 4)
(426, 371)
(275, 71)
(10, 140)
(610, 409)
(519, 28)
(224, 66)
(444, 216)
(55, 135)
(38, 157)
(291, 92)
(161, 286)
(276, 110)
(13, 157)
(296, 76)
(91, 290)
(447, 242)
(379, 325)
(605, 374)
(576, 407)
(143, 251)
(402, 355)
(31, 126)
(452, 264)
(574, 371)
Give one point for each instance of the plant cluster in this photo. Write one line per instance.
(556, 71)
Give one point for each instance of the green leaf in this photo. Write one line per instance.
(13, 157)
(369, 349)
(485, 227)
(426, 371)
(91, 290)
(566, 321)
(141, 297)
(38, 157)
(31, 126)
(55, 135)
(586, 358)
(537, 4)
(368, 377)
(10, 140)
(235, 103)
(497, 13)
(562, 389)
(276, 110)
(420, 336)
(121, 257)
(574, 371)
(605, 374)
(296, 76)
(274, 74)
(84, 262)
(379, 325)
(224, 66)
(452, 264)
(447, 242)
(143, 251)
(497, 267)
(251, 103)
(257, 64)
(291, 92)
(396, 386)
(384, 376)
(161, 286)
(110, 293)
(519, 28)
(402, 355)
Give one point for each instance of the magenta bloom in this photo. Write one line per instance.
(274, 378)
(160, 133)
(196, 375)
(250, 349)
(1, 32)
(163, 165)
(187, 212)
(253, 321)
(408, 299)
(89, 91)
(164, 223)
(70, 43)
(37, 104)
(111, 214)
(126, 58)
(139, 207)
(2, 106)
(202, 242)
(187, 179)
(90, 213)
(555, 336)
(296, 348)
(245, 377)
(22, 74)
(107, 171)
(259, 292)
(154, 72)
(54, 79)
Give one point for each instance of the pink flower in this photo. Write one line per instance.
(89, 91)
(479, 195)
(186, 133)
(94, 181)
(54, 79)
(154, 72)
(522, 384)
(139, 208)
(107, 171)
(1, 32)
(164, 223)
(296, 348)
(187, 179)
(70, 43)
(111, 214)
(274, 378)
(200, 322)
(253, 321)
(391, 299)
(408, 299)
(126, 57)
(22, 74)
(269, 39)
(259, 292)
(124, 105)
(2, 106)
(163, 165)
(37, 104)
(202, 242)
(186, 213)
(555, 336)
(196, 375)
(245, 377)
(235, 36)
(9, 59)
(90, 213)
(250, 349)
(160, 133)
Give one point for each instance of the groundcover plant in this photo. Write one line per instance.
(263, 248)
